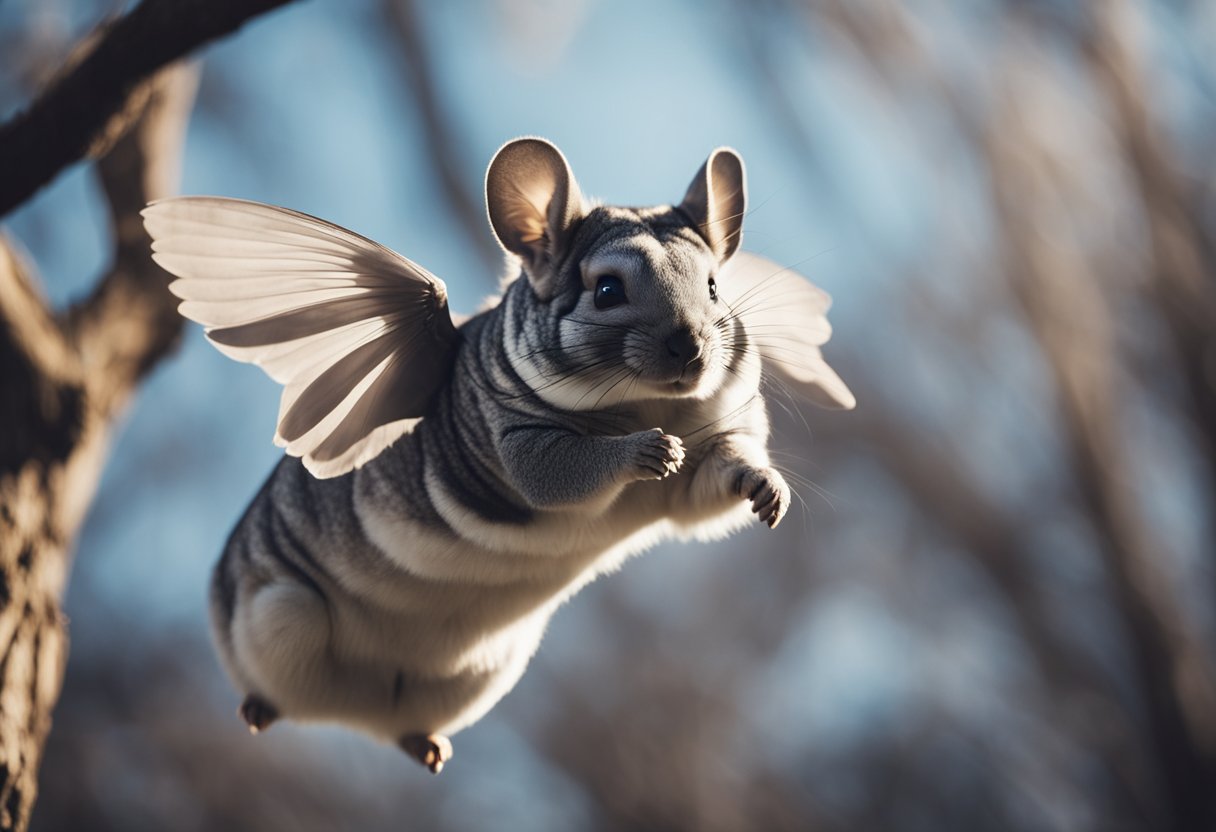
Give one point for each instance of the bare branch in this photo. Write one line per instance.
(441, 139)
(1184, 256)
(1069, 314)
(89, 106)
(131, 319)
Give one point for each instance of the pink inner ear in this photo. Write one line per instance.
(727, 184)
(528, 222)
(533, 196)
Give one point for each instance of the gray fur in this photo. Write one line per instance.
(407, 596)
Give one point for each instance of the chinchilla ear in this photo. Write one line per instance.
(717, 199)
(533, 202)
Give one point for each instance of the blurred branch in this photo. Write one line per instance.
(130, 319)
(1072, 320)
(958, 507)
(442, 142)
(1183, 283)
(1072, 317)
(882, 31)
(930, 472)
(62, 384)
(96, 98)
(685, 761)
(783, 102)
(950, 497)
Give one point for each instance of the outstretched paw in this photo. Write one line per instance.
(768, 492)
(656, 454)
(432, 750)
(257, 713)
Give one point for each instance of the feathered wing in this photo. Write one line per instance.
(785, 315)
(360, 337)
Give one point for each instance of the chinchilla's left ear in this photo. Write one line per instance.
(533, 202)
(717, 199)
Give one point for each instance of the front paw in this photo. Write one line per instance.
(768, 492)
(656, 454)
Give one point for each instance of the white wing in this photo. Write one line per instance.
(785, 315)
(360, 337)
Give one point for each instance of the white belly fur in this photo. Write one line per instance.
(461, 615)
(482, 609)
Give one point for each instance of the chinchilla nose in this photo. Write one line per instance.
(683, 345)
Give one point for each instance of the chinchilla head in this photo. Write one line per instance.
(619, 304)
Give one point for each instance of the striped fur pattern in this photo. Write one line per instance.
(406, 596)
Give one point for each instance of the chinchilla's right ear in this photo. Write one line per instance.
(533, 202)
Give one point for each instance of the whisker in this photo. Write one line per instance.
(620, 375)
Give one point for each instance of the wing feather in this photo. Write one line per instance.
(785, 315)
(360, 337)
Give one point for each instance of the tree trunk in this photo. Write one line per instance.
(65, 379)
(63, 382)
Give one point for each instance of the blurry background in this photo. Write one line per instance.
(993, 607)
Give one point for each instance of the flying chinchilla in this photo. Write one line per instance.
(448, 485)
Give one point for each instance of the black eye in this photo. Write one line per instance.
(609, 292)
(713, 289)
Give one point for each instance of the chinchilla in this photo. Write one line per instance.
(449, 482)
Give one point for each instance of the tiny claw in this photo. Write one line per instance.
(768, 493)
(257, 713)
(432, 750)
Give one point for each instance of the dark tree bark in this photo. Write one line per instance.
(64, 381)
(89, 106)
(65, 378)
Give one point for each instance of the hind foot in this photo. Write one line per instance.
(257, 713)
(432, 750)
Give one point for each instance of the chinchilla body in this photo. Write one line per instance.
(408, 595)
(447, 488)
